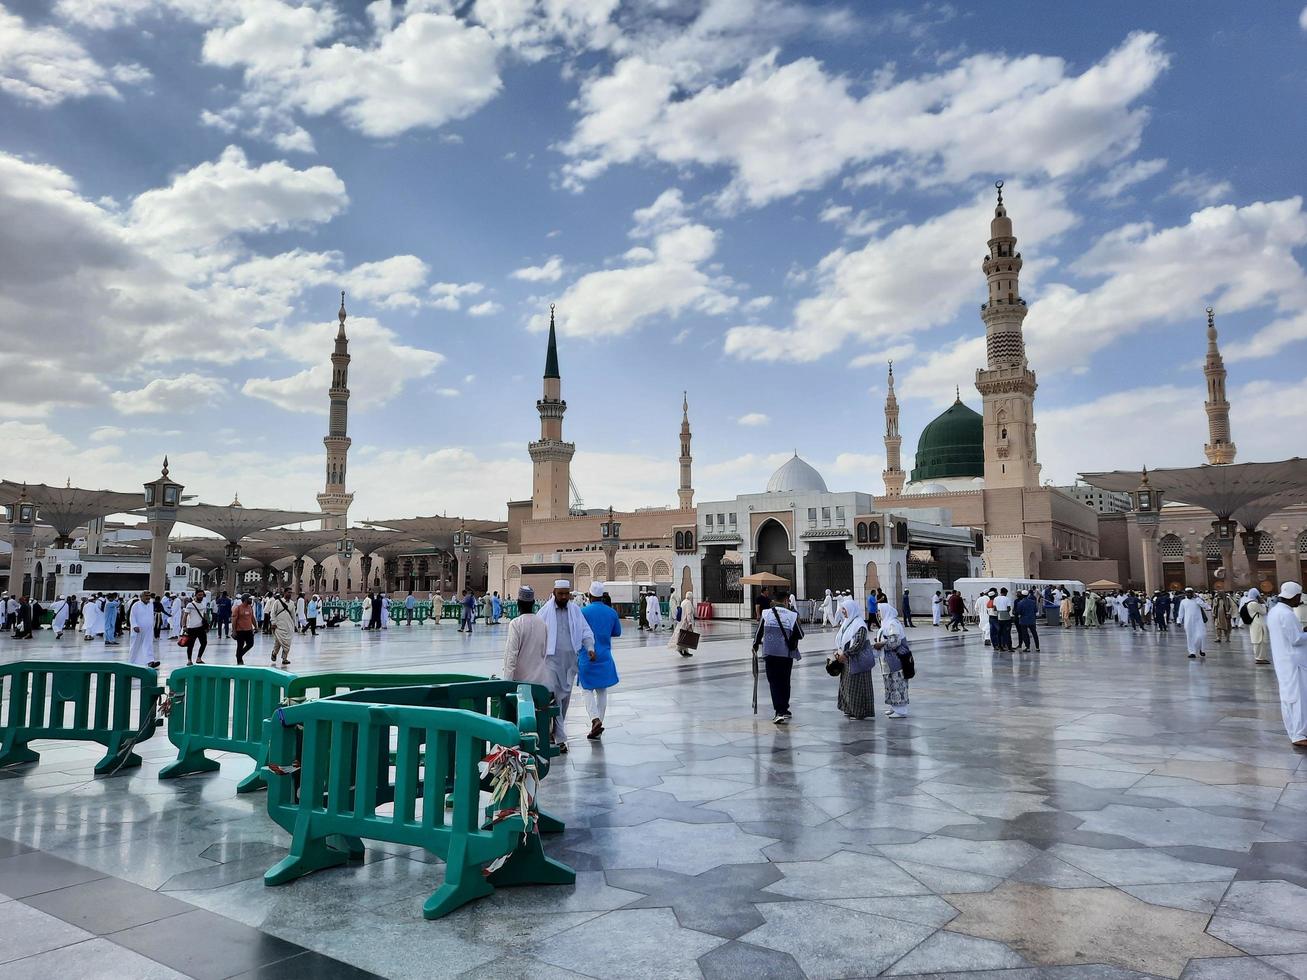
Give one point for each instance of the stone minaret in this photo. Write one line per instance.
(334, 501)
(685, 493)
(1006, 384)
(1220, 449)
(893, 474)
(551, 458)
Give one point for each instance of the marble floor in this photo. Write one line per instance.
(1104, 809)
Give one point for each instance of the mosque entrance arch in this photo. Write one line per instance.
(773, 552)
(827, 565)
(1171, 550)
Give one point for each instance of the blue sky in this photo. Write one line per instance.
(757, 201)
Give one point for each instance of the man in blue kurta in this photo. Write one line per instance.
(595, 670)
(568, 634)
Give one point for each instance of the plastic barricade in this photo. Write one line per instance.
(105, 702)
(326, 685)
(223, 709)
(703, 610)
(347, 786)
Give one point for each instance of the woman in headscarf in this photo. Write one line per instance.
(857, 697)
(684, 624)
(1252, 602)
(889, 640)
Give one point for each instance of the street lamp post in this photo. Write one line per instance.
(162, 498)
(345, 554)
(610, 539)
(1225, 530)
(1148, 505)
(462, 548)
(22, 523)
(232, 565)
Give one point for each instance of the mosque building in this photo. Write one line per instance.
(982, 468)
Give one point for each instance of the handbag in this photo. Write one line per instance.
(834, 666)
(688, 639)
(906, 662)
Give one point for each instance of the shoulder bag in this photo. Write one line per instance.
(792, 637)
(906, 662)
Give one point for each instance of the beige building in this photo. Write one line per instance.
(983, 468)
(548, 538)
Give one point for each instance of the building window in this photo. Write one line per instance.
(732, 520)
(839, 515)
(812, 517)
(707, 521)
(862, 532)
(873, 532)
(721, 520)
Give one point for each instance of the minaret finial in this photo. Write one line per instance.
(165, 466)
(551, 355)
(957, 393)
(891, 372)
(998, 185)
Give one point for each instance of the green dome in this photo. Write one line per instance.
(950, 446)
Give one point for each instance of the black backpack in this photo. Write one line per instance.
(1245, 615)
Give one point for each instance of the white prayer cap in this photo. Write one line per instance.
(562, 583)
(597, 590)
(1290, 589)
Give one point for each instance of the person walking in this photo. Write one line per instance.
(778, 636)
(496, 609)
(1253, 613)
(140, 623)
(242, 627)
(60, 620)
(1026, 611)
(684, 624)
(283, 627)
(1003, 613)
(222, 615)
(1289, 651)
(956, 611)
(568, 635)
(313, 611)
(596, 671)
(1192, 616)
(936, 608)
(857, 695)
(410, 607)
(907, 610)
(22, 619)
(112, 607)
(828, 609)
(469, 611)
(437, 607)
(1222, 614)
(195, 626)
(1162, 611)
(873, 608)
(891, 643)
(1132, 611)
(385, 611)
(653, 612)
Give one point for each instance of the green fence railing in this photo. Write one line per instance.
(109, 703)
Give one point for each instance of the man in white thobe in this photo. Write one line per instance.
(1193, 617)
(1289, 653)
(60, 618)
(567, 634)
(936, 608)
(653, 611)
(140, 630)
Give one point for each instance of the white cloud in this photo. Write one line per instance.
(213, 201)
(1126, 175)
(754, 418)
(1233, 258)
(781, 128)
(184, 393)
(36, 383)
(1302, 19)
(392, 282)
(45, 65)
(874, 295)
(487, 308)
(381, 365)
(662, 279)
(1203, 188)
(450, 295)
(550, 271)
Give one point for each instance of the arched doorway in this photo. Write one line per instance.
(773, 553)
(827, 565)
(1171, 550)
(687, 582)
(38, 584)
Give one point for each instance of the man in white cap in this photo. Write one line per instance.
(596, 670)
(525, 660)
(569, 633)
(1289, 653)
(1193, 617)
(653, 611)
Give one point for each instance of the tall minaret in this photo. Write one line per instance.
(1220, 449)
(551, 458)
(334, 501)
(893, 474)
(685, 493)
(1006, 384)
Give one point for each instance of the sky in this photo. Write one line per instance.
(757, 202)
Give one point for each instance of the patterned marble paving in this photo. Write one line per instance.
(1107, 809)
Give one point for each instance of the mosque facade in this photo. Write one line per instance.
(982, 468)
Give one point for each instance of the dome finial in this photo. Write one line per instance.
(998, 185)
(957, 393)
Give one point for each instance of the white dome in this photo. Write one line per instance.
(796, 476)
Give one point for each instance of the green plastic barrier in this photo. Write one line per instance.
(355, 611)
(223, 709)
(105, 702)
(326, 685)
(345, 779)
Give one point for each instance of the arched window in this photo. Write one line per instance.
(1265, 544)
(862, 532)
(689, 540)
(873, 532)
(662, 572)
(680, 540)
(640, 572)
(1211, 549)
(1302, 543)
(1170, 547)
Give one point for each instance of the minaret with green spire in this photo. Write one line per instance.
(551, 457)
(334, 500)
